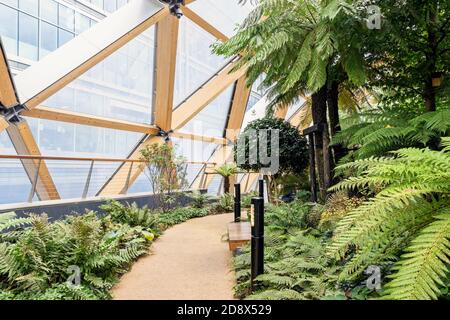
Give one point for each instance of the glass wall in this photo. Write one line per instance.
(31, 29)
(119, 87)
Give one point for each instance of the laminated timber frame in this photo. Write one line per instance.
(21, 135)
(44, 78)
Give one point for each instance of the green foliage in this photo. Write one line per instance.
(246, 200)
(224, 204)
(376, 133)
(299, 46)
(295, 264)
(35, 261)
(199, 200)
(293, 151)
(409, 213)
(130, 214)
(412, 44)
(179, 215)
(227, 170)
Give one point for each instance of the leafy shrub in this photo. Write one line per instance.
(293, 150)
(246, 200)
(225, 203)
(35, 260)
(296, 266)
(199, 199)
(130, 214)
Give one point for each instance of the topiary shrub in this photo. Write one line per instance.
(293, 149)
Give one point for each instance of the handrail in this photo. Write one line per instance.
(97, 159)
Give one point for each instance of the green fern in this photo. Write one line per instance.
(424, 266)
(412, 190)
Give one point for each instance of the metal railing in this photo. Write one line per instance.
(26, 178)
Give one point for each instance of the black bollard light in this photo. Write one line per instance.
(257, 241)
(261, 188)
(237, 202)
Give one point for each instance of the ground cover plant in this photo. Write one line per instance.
(38, 258)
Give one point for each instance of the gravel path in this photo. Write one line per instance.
(189, 262)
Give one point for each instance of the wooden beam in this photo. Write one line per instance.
(238, 108)
(195, 137)
(206, 94)
(8, 97)
(62, 115)
(166, 53)
(165, 57)
(24, 143)
(3, 124)
(60, 67)
(202, 23)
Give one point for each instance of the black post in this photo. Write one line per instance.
(312, 168)
(237, 202)
(261, 188)
(257, 243)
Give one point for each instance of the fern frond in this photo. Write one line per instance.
(423, 268)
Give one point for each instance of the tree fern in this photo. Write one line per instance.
(378, 133)
(424, 266)
(412, 190)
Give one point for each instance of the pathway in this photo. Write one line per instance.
(188, 262)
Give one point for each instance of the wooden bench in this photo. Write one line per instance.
(239, 233)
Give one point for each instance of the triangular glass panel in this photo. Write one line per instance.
(196, 64)
(225, 16)
(212, 119)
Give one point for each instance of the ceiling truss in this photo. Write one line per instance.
(68, 62)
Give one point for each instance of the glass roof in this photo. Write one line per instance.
(119, 87)
(195, 62)
(211, 120)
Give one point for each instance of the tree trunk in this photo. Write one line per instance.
(333, 108)
(226, 184)
(319, 115)
(335, 125)
(429, 93)
(429, 96)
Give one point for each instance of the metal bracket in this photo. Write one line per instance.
(12, 114)
(164, 134)
(175, 7)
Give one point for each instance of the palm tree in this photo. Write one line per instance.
(226, 171)
(300, 48)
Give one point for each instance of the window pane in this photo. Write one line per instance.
(29, 6)
(8, 28)
(49, 11)
(98, 3)
(66, 18)
(64, 36)
(12, 3)
(28, 37)
(49, 38)
(110, 6)
(82, 23)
